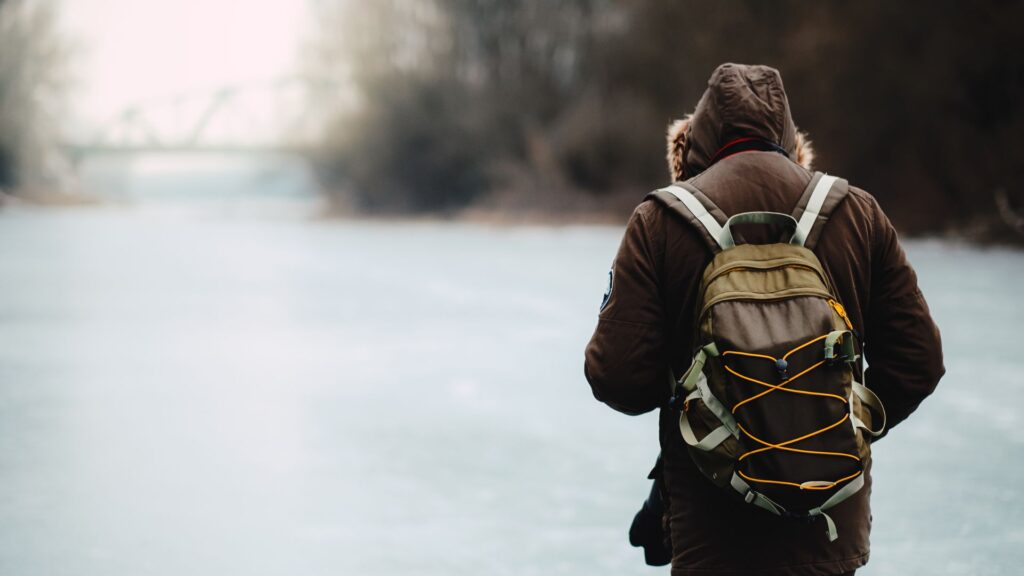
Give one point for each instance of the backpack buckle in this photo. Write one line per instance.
(840, 348)
(841, 359)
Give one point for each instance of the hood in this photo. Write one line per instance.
(741, 101)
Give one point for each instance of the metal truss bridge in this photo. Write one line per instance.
(282, 116)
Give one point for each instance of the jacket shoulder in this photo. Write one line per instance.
(863, 199)
(861, 211)
(650, 214)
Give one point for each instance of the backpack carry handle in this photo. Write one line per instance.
(726, 240)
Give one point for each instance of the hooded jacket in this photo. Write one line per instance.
(647, 324)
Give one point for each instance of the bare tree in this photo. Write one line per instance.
(31, 74)
(562, 104)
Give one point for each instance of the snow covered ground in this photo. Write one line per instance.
(212, 394)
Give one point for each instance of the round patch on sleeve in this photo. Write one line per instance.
(608, 290)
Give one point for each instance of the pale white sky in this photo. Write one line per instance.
(131, 51)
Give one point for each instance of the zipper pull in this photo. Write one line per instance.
(842, 313)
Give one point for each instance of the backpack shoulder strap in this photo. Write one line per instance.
(820, 198)
(690, 203)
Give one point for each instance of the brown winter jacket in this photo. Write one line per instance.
(648, 324)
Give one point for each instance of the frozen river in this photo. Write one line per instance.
(188, 393)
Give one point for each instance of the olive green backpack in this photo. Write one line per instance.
(774, 407)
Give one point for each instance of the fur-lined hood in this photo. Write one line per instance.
(740, 101)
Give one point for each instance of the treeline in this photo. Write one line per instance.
(31, 88)
(561, 107)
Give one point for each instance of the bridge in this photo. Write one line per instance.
(280, 116)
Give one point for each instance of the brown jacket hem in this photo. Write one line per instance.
(831, 568)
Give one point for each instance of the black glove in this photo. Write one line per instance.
(648, 528)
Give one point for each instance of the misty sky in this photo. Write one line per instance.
(131, 51)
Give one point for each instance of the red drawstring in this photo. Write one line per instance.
(716, 158)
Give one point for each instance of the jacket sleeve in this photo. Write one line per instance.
(903, 347)
(626, 364)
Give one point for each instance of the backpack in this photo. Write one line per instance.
(773, 407)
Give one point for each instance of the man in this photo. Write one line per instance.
(741, 148)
